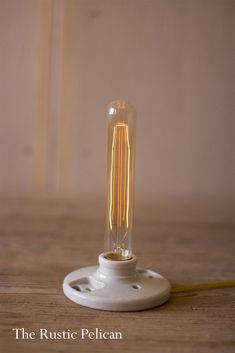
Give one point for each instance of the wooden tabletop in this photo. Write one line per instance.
(40, 246)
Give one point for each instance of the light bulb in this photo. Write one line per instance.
(120, 178)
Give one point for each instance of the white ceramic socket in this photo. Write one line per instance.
(116, 286)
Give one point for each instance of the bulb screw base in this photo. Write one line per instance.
(114, 269)
(116, 286)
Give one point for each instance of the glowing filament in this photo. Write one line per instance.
(120, 171)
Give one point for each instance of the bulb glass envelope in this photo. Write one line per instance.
(120, 179)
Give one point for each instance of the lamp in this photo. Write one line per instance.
(117, 284)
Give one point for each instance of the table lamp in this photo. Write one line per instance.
(117, 284)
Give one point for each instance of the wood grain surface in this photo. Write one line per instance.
(41, 244)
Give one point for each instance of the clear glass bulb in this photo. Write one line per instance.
(120, 178)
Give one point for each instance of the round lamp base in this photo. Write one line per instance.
(116, 286)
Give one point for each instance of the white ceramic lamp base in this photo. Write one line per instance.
(116, 286)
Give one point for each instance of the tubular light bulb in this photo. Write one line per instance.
(120, 174)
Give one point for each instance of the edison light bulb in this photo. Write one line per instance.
(120, 175)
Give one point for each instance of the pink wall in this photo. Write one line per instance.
(62, 62)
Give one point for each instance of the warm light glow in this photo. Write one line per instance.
(120, 179)
(120, 165)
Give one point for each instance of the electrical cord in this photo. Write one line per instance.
(202, 286)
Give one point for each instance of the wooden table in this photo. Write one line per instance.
(39, 246)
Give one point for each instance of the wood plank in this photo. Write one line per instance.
(40, 247)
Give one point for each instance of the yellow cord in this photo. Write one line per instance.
(202, 286)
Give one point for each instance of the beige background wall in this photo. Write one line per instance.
(63, 61)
